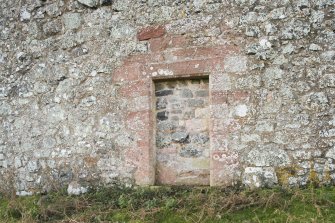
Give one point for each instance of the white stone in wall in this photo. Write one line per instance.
(24, 193)
(2, 58)
(314, 47)
(75, 188)
(72, 20)
(255, 177)
(241, 110)
(17, 162)
(24, 15)
(266, 44)
(331, 153)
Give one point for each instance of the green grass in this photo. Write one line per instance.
(173, 205)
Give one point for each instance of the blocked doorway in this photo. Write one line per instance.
(182, 132)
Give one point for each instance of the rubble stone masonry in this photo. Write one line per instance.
(114, 91)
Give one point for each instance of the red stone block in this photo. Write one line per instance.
(196, 53)
(140, 158)
(239, 96)
(137, 156)
(161, 44)
(145, 58)
(165, 175)
(218, 97)
(151, 32)
(135, 89)
(184, 68)
(139, 121)
(127, 72)
(158, 44)
(224, 168)
(178, 42)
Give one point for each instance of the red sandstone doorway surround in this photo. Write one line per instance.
(173, 57)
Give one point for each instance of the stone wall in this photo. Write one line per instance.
(76, 88)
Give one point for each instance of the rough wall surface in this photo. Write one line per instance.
(63, 99)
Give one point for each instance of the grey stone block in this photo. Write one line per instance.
(180, 136)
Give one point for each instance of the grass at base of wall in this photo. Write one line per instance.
(174, 204)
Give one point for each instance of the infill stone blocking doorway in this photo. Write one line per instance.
(182, 132)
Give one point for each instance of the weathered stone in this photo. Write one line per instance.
(250, 138)
(264, 126)
(33, 166)
(53, 9)
(295, 29)
(5, 109)
(327, 80)
(150, 32)
(122, 30)
(89, 3)
(190, 151)
(199, 138)
(163, 115)
(161, 103)
(269, 155)
(328, 55)
(327, 133)
(202, 93)
(88, 102)
(24, 14)
(195, 102)
(278, 13)
(163, 93)
(179, 137)
(24, 193)
(314, 47)
(72, 20)
(52, 27)
(272, 76)
(241, 110)
(75, 188)
(235, 64)
(186, 93)
(317, 100)
(252, 31)
(255, 177)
